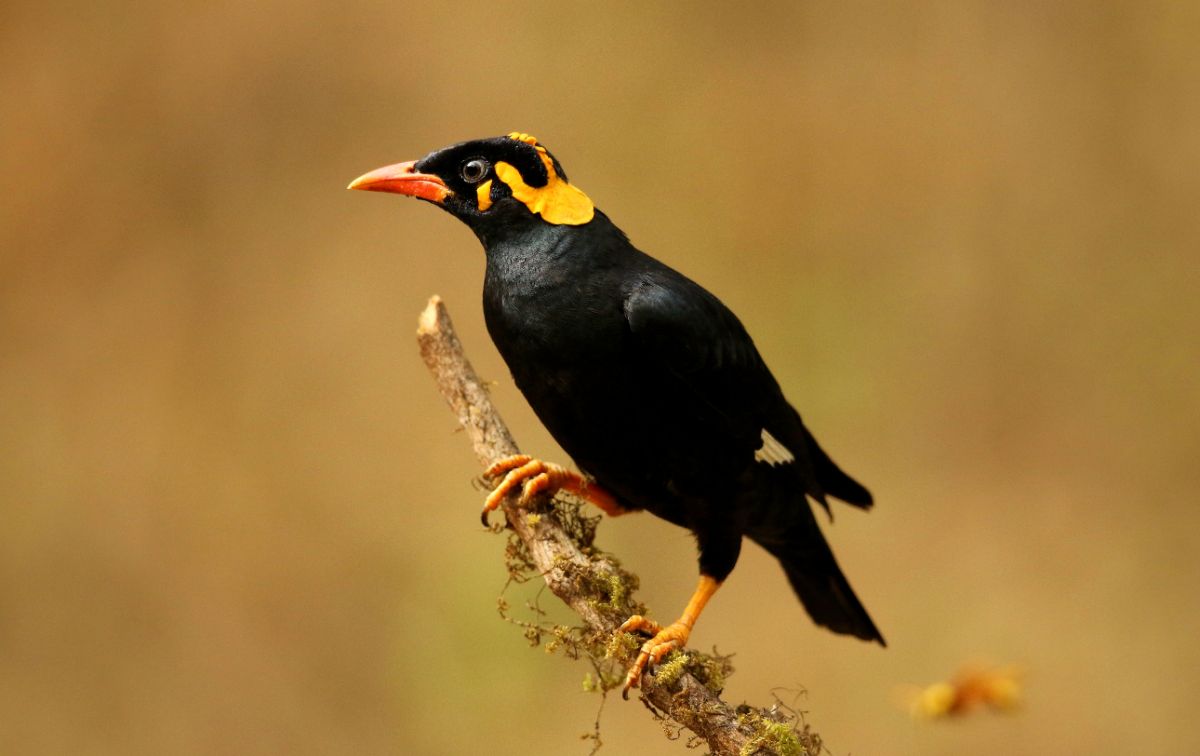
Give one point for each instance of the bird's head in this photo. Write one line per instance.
(486, 183)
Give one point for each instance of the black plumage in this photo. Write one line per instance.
(649, 383)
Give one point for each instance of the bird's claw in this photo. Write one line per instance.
(533, 476)
(663, 640)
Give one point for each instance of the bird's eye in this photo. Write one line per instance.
(473, 171)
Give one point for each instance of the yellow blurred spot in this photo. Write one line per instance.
(935, 701)
(973, 687)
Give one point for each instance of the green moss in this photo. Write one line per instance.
(668, 672)
(617, 591)
(517, 560)
(622, 647)
(569, 512)
(775, 737)
(712, 671)
(709, 670)
(609, 590)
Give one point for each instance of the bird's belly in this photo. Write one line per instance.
(611, 408)
(634, 434)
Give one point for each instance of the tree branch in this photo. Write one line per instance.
(685, 688)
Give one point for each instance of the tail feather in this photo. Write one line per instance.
(782, 522)
(784, 525)
(829, 599)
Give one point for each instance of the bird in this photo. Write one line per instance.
(647, 381)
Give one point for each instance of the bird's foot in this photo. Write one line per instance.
(534, 477)
(662, 641)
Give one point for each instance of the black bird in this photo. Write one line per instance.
(645, 379)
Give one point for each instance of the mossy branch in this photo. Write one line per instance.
(685, 689)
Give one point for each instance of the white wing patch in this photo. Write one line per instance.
(772, 452)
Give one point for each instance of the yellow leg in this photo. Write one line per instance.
(535, 476)
(666, 638)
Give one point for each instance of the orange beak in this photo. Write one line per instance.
(402, 179)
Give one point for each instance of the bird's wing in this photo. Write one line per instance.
(690, 337)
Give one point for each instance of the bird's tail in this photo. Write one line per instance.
(817, 580)
(829, 599)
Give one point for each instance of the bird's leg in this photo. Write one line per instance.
(674, 635)
(535, 476)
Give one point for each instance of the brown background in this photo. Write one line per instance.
(236, 519)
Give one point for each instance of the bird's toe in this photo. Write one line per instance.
(531, 476)
(665, 640)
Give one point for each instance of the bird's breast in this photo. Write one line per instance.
(547, 316)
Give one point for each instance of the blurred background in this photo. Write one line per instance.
(236, 518)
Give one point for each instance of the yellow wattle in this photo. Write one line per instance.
(557, 202)
(484, 195)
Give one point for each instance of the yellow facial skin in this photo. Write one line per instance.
(484, 195)
(557, 202)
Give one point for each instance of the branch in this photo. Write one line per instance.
(685, 688)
